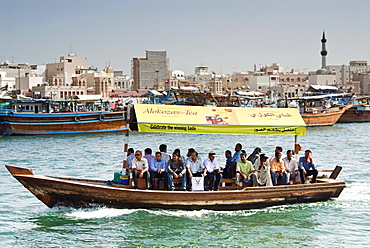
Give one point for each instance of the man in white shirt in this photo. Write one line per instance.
(212, 172)
(291, 166)
(194, 168)
(163, 150)
(140, 169)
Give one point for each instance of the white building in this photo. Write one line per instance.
(123, 82)
(26, 83)
(4, 80)
(322, 79)
(178, 74)
(263, 82)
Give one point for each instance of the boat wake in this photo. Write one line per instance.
(105, 212)
(102, 212)
(356, 192)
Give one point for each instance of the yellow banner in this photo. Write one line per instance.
(218, 120)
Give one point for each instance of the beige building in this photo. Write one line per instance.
(348, 77)
(67, 65)
(215, 86)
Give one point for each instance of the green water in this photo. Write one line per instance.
(26, 222)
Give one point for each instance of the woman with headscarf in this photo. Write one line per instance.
(254, 155)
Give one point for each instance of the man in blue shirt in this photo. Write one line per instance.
(307, 167)
(231, 170)
(148, 155)
(158, 169)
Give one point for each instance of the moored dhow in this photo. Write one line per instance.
(319, 110)
(41, 117)
(359, 112)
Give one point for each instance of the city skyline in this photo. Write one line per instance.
(226, 36)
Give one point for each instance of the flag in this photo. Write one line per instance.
(4, 88)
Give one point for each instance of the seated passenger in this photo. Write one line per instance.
(163, 150)
(278, 170)
(176, 169)
(307, 167)
(140, 169)
(228, 156)
(194, 168)
(212, 172)
(182, 158)
(244, 170)
(262, 176)
(148, 155)
(277, 149)
(291, 166)
(158, 169)
(236, 157)
(130, 157)
(189, 153)
(254, 155)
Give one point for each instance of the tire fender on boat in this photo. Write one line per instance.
(10, 113)
(77, 118)
(101, 117)
(359, 112)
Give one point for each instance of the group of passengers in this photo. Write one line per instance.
(256, 168)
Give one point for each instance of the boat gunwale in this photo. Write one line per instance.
(322, 183)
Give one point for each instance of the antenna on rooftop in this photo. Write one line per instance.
(70, 49)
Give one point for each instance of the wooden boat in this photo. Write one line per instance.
(56, 191)
(62, 123)
(359, 112)
(324, 118)
(320, 110)
(33, 119)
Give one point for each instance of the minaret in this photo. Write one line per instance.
(323, 53)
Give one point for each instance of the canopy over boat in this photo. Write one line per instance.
(218, 120)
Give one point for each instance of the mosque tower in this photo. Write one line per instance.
(322, 70)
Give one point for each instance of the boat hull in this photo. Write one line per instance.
(62, 123)
(355, 114)
(77, 192)
(323, 119)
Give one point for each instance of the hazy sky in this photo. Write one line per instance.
(226, 36)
